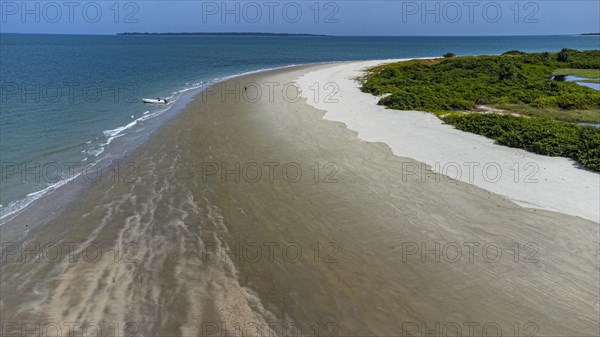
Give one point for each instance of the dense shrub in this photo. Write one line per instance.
(459, 83)
(539, 135)
(589, 148)
(563, 55)
(449, 55)
(513, 52)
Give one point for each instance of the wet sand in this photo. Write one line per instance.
(194, 245)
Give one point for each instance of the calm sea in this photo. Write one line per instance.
(72, 103)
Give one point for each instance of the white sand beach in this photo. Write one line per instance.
(530, 180)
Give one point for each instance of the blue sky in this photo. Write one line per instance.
(317, 17)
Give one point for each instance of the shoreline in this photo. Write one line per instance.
(196, 91)
(21, 205)
(8, 216)
(187, 222)
(531, 180)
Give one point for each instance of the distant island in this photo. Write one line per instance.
(594, 34)
(220, 33)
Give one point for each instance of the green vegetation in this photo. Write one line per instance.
(514, 52)
(449, 55)
(515, 81)
(461, 83)
(539, 135)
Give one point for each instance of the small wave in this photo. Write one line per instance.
(15, 207)
(95, 150)
(192, 87)
(255, 72)
(117, 131)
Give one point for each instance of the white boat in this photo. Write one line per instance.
(155, 101)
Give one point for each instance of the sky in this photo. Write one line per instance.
(349, 17)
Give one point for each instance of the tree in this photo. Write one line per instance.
(449, 55)
(546, 56)
(563, 55)
(514, 52)
(508, 70)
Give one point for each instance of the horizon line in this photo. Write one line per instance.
(284, 33)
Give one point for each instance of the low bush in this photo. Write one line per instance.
(461, 82)
(539, 135)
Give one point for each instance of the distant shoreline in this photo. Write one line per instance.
(290, 35)
(218, 33)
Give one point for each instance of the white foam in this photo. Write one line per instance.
(17, 206)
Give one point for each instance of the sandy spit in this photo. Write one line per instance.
(531, 180)
(349, 244)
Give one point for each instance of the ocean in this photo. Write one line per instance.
(72, 104)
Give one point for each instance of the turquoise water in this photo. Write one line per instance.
(73, 102)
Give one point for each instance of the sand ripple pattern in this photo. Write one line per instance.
(155, 271)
